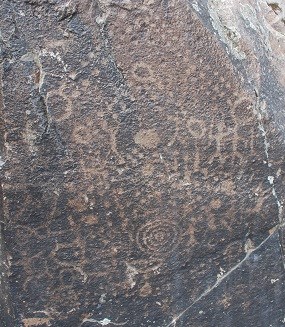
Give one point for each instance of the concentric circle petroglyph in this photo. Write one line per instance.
(158, 237)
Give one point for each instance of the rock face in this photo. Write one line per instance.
(142, 163)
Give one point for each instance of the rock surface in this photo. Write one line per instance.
(142, 163)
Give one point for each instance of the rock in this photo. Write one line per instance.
(142, 163)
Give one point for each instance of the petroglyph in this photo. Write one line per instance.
(158, 237)
(153, 172)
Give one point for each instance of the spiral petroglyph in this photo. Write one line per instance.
(158, 237)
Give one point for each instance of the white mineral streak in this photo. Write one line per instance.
(219, 280)
(104, 322)
(2, 162)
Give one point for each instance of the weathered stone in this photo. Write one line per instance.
(143, 181)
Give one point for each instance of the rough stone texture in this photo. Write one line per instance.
(143, 181)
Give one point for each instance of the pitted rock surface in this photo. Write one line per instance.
(144, 167)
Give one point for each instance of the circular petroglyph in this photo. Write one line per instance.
(147, 138)
(158, 237)
(142, 72)
(196, 128)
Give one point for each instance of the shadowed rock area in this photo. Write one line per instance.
(142, 163)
